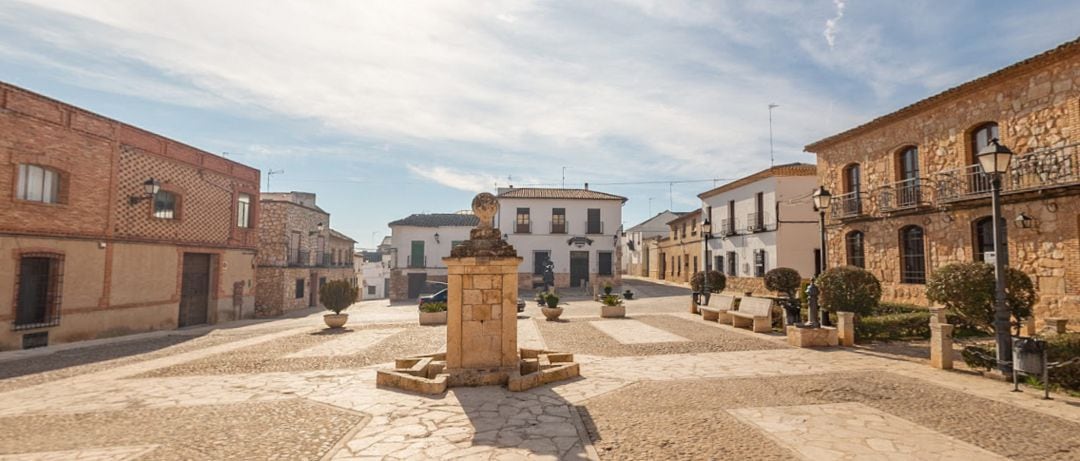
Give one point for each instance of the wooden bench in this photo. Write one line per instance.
(718, 309)
(753, 312)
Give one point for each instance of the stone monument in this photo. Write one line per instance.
(481, 327)
(812, 333)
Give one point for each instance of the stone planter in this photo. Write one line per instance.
(552, 313)
(433, 318)
(613, 311)
(335, 320)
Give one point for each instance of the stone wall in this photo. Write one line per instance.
(1036, 105)
(741, 285)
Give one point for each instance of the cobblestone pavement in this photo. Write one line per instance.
(662, 384)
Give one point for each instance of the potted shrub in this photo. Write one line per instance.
(628, 294)
(551, 310)
(433, 313)
(607, 289)
(612, 306)
(967, 289)
(337, 296)
(787, 281)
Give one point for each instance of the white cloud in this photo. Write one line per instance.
(830, 25)
(455, 179)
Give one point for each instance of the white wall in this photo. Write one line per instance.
(374, 274)
(789, 245)
(542, 239)
(403, 236)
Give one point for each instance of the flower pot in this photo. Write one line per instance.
(335, 320)
(551, 313)
(613, 311)
(433, 318)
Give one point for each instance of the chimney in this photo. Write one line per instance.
(586, 186)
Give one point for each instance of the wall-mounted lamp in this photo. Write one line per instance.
(318, 229)
(436, 237)
(1024, 221)
(150, 187)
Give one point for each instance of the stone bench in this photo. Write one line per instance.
(719, 308)
(753, 312)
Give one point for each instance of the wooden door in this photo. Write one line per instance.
(579, 267)
(416, 284)
(195, 289)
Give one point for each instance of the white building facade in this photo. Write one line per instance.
(635, 255)
(373, 270)
(761, 222)
(576, 229)
(418, 245)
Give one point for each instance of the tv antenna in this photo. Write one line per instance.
(772, 161)
(269, 173)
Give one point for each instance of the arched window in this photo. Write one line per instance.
(852, 178)
(165, 205)
(854, 244)
(38, 184)
(907, 168)
(980, 138)
(983, 236)
(912, 255)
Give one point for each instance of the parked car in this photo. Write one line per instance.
(440, 297)
(521, 305)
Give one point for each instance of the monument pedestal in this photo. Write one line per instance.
(812, 337)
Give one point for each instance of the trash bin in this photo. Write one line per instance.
(1028, 355)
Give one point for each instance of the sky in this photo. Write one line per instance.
(385, 109)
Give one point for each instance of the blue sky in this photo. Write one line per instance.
(389, 108)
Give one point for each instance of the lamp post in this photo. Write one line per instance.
(822, 200)
(994, 159)
(706, 234)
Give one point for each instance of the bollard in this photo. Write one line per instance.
(937, 315)
(941, 353)
(846, 328)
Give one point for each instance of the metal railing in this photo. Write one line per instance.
(1056, 166)
(757, 222)
(847, 205)
(299, 258)
(417, 261)
(523, 228)
(900, 195)
(727, 227)
(560, 228)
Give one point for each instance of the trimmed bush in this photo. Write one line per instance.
(1059, 349)
(967, 289)
(433, 307)
(985, 361)
(607, 289)
(551, 300)
(849, 289)
(784, 280)
(893, 327)
(338, 295)
(717, 282)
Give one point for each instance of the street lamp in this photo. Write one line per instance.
(822, 200)
(706, 234)
(995, 159)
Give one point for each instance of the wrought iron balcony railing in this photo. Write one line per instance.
(299, 258)
(847, 205)
(727, 227)
(900, 195)
(1052, 167)
(758, 222)
(417, 261)
(559, 228)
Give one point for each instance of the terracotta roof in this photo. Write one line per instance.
(556, 193)
(642, 225)
(339, 235)
(686, 216)
(787, 169)
(1026, 65)
(438, 220)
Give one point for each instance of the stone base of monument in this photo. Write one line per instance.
(812, 337)
(427, 374)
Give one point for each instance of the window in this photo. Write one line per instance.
(695, 264)
(759, 263)
(38, 184)
(855, 253)
(693, 227)
(719, 267)
(603, 261)
(852, 178)
(980, 138)
(730, 217)
(299, 288)
(416, 259)
(678, 265)
(731, 266)
(907, 193)
(912, 255)
(984, 238)
(594, 224)
(371, 290)
(540, 259)
(293, 250)
(522, 223)
(759, 212)
(38, 289)
(558, 220)
(243, 211)
(164, 205)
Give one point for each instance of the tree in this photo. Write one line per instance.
(717, 282)
(784, 280)
(967, 289)
(338, 295)
(849, 289)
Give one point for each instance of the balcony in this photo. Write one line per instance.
(594, 227)
(900, 195)
(299, 258)
(758, 222)
(559, 228)
(847, 205)
(727, 227)
(417, 261)
(523, 227)
(1045, 168)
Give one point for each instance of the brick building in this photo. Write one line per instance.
(89, 253)
(298, 253)
(678, 255)
(909, 195)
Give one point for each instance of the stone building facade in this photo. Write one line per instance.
(635, 242)
(298, 253)
(92, 254)
(679, 254)
(909, 196)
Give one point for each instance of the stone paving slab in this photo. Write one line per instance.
(348, 344)
(630, 331)
(89, 454)
(853, 431)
